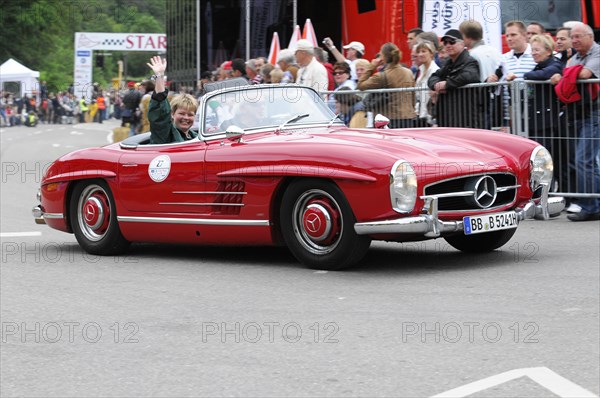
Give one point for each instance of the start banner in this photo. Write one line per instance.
(121, 41)
(88, 42)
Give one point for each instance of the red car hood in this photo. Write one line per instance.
(429, 145)
(414, 145)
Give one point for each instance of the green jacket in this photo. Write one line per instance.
(163, 131)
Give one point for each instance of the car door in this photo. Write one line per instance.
(163, 179)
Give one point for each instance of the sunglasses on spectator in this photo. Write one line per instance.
(449, 41)
(337, 73)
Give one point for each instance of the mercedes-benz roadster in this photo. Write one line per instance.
(273, 165)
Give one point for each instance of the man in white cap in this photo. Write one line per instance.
(312, 73)
(354, 51)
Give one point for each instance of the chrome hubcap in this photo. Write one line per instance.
(93, 212)
(318, 222)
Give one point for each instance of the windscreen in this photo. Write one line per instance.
(259, 108)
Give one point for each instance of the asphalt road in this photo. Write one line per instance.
(412, 320)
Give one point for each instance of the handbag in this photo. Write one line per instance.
(126, 113)
(376, 102)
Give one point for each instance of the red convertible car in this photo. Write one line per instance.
(272, 165)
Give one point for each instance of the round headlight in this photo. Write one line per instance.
(403, 187)
(542, 168)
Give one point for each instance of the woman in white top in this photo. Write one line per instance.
(341, 76)
(361, 67)
(425, 61)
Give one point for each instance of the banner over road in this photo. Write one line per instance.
(87, 42)
(121, 41)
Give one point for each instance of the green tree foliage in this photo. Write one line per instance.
(41, 33)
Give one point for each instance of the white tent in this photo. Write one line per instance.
(14, 76)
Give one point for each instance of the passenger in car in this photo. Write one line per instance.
(246, 115)
(169, 122)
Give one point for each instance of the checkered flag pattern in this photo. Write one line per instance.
(113, 42)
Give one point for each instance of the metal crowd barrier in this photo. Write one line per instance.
(525, 108)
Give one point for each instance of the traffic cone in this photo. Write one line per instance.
(274, 51)
(309, 33)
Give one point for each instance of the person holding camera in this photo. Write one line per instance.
(354, 51)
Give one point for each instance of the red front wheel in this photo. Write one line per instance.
(94, 219)
(318, 226)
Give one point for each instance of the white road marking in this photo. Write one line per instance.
(37, 132)
(19, 234)
(76, 133)
(543, 376)
(320, 272)
(109, 137)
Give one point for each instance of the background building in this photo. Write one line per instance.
(223, 31)
(372, 22)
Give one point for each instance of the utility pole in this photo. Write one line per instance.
(120, 73)
(125, 66)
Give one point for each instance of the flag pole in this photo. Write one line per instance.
(294, 13)
(198, 55)
(247, 29)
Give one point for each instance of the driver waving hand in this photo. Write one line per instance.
(169, 122)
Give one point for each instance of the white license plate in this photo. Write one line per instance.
(490, 222)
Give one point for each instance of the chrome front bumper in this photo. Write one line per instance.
(38, 215)
(429, 225)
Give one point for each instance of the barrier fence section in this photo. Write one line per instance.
(526, 108)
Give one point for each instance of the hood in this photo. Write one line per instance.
(431, 151)
(415, 145)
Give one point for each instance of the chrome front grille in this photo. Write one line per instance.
(474, 192)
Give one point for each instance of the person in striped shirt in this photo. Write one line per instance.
(516, 62)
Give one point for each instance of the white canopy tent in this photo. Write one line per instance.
(19, 79)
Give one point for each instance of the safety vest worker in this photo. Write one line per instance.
(101, 103)
(82, 105)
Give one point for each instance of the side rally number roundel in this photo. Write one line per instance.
(159, 168)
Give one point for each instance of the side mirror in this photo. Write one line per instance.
(381, 122)
(234, 133)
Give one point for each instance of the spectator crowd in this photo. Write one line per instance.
(62, 107)
(430, 92)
